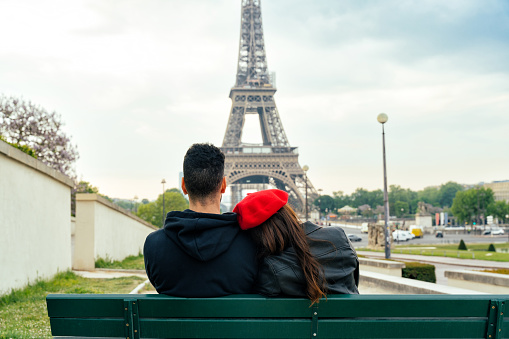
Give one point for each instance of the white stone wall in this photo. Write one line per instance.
(35, 210)
(105, 230)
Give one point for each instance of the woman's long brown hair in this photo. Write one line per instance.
(284, 230)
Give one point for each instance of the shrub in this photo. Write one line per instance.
(419, 271)
(22, 148)
(491, 248)
(462, 246)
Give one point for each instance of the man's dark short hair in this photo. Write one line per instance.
(203, 170)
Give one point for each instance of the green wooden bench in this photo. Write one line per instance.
(253, 316)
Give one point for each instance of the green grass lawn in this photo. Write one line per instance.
(23, 312)
(475, 251)
(133, 262)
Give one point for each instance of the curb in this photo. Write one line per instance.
(139, 287)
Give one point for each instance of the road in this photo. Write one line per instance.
(429, 239)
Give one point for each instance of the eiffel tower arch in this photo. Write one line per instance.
(273, 163)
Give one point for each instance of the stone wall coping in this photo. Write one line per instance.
(410, 286)
(19, 156)
(479, 277)
(107, 203)
(381, 263)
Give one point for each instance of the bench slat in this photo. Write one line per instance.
(411, 307)
(225, 308)
(85, 305)
(225, 328)
(404, 328)
(87, 327)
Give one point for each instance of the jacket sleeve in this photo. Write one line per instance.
(266, 281)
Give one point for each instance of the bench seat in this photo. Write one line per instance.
(253, 316)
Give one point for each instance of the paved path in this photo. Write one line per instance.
(108, 274)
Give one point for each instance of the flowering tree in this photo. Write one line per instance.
(23, 123)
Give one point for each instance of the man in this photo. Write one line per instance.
(200, 252)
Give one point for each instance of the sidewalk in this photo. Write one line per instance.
(102, 273)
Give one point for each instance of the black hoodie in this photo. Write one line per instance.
(200, 255)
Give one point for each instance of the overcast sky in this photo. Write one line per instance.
(138, 82)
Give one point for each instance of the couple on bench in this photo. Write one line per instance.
(260, 248)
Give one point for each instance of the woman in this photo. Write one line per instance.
(302, 260)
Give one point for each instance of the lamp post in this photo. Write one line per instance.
(319, 206)
(382, 118)
(164, 206)
(305, 168)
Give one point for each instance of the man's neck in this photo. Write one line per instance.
(213, 206)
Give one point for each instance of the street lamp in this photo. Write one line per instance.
(319, 206)
(382, 118)
(305, 168)
(164, 207)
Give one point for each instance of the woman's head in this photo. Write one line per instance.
(274, 226)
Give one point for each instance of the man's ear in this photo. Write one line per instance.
(223, 185)
(184, 186)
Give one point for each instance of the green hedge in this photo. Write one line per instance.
(419, 271)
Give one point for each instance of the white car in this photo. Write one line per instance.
(497, 231)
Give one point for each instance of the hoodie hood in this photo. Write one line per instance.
(203, 236)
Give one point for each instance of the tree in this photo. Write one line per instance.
(83, 187)
(499, 209)
(462, 246)
(366, 211)
(362, 196)
(396, 193)
(86, 187)
(401, 208)
(324, 202)
(429, 195)
(447, 193)
(341, 200)
(470, 205)
(25, 124)
(153, 211)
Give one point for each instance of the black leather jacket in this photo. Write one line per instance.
(282, 275)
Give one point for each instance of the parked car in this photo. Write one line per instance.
(400, 235)
(439, 234)
(354, 237)
(486, 233)
(497, 231)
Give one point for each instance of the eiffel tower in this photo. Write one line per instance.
(274, 163)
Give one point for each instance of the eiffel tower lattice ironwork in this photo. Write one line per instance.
(274, 163)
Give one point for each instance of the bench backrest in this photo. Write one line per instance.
(252, 316)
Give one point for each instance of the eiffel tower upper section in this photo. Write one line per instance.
(253, 92)
(274, 162)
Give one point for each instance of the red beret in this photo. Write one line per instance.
(259, 206)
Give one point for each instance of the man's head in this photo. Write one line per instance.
(203, 171)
